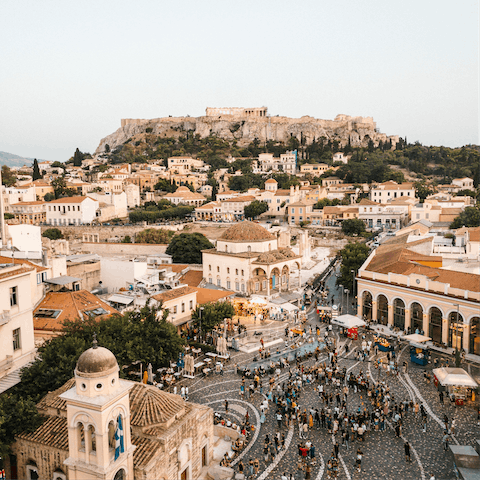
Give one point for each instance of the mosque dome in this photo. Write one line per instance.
(246, 232)
(96, 361)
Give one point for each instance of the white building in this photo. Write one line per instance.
(184, 165)
(464, 183)
(248, 260)
(286, 163)
(112, 205)
(390, 216)
(17, 347)
(387, 191)
(186, 196)
(71, 211)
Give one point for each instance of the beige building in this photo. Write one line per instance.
(99, 426)
(300, 211)
(390, 216)
(401, 286)
(29, 213)
(184, 165)
(185, 196)
(314, 169)
(248, 260)
(384, 192)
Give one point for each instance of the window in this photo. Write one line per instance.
(183, 307)
(16, 339)
(218, 269)
(237, 286)
(175, 309)
(210, 280)
(242, 273)
(243, 287)
(301, 210)
(228, 270)
(219, 282)
(210, 267)
(191, 304)
(13, 296)
(257, 286)
(293, 210)
(236, 271)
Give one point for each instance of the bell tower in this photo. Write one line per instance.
(98, 416)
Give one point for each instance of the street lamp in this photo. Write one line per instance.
(347, 291)
(200, 326)
(341, 302)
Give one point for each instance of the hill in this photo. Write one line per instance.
(12, 160)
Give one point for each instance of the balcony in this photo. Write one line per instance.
(4, 317)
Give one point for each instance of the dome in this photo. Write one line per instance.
(96, 361)
(247, 232)
(271, 180)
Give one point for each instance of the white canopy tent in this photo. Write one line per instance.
(416, 338)
(348, 321)
(456, 377)
(258, 301)
(289, 307)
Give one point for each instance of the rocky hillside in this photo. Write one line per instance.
(245, 129)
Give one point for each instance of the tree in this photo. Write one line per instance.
(36, 170)
(48, 197)
(187, 247)
(60, 188)
(154, 235)
(470, 217)
(52, 233)
(255, 209)
(77, 158)
(353, 226)
(8, 177)
(127, 239)
(212, 315)
(423, 190)
(353, 257)
(165, 186)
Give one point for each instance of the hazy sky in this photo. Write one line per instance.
(69, 71)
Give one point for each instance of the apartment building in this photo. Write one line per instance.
(78, 210)
(384, 192)
(29, 213)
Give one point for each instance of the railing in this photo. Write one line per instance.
(6, 364)
(4, 317)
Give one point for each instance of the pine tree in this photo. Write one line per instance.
(36, 170)
(77, 158)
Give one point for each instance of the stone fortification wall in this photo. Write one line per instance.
(244, 125)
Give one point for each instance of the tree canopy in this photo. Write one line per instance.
(212, 314)
(187, 247)
(52, 233)
(255, 209)
(353, 257)
(8, 177)
(470, 217)
(353, 226)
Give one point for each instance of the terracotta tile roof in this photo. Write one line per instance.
(247, 232)
(282, 192)
(71, 305)
(172, 294)
(474, 234)
(53, 400)
(192, 278)
(77, 199)
(208, 206)
(366, 201)
(27, 203)
(145, 451)
(207, 295)
(175, 267)
(21, 261)
(245, 198)
(271, 180)
(52, 433)
(13, 273)
(150, 406)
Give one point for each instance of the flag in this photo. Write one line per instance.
(119, 445)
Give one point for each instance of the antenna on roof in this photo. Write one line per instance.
(95, 343)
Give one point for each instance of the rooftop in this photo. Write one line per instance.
(173, 294)
(246, 232)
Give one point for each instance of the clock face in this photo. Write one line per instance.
(418, 281)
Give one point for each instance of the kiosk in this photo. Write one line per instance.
(382, 341)
(456, 382)
(350, 323)
(419, 352)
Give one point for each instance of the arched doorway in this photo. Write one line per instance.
(455, 330)
(399, 313)
(435, 324)
(275, 279)
(382, 310)
(367, 305)
(474, 336)
(120, 475)
(416, 315)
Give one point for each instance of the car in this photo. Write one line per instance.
(375, 245)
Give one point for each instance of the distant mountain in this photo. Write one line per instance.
(12, 160)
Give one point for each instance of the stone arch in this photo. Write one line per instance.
(80, 432)
(399, 313)
(474, 326)
(367, 305)
(92, 439)
(435, 324)
(120, 475)
(416, 316)
(382, 309)
(455, 329)
(274, 278)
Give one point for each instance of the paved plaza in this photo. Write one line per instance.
(383, 454)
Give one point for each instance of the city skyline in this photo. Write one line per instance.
(71, 72)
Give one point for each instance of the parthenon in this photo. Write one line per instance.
(237, 112)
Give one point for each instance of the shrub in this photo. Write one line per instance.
(53, 233)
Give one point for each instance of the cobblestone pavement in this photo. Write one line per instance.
(383, 452)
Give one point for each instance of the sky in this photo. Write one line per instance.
(69, 71)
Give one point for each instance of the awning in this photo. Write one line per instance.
(457, 377)
(289, 307)
(417, 338)
(64, 280)
(348, 321)
(121, 299)
(258, 301)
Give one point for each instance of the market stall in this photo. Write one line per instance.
(324, 313)
(251, 310)
(419, 352)
(382, 342)
(350, 323)
(456, 382)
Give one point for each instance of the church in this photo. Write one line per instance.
(248, 259)
(101, 427)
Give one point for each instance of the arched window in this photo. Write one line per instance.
(120, 475)
(382, 310)
(249, 248)
(416, 314)
(367, 305)
(474, 336)
(111, 436)
(435, 325)
(81, 436)
(91, 438)
(455, 331)
(399, 314)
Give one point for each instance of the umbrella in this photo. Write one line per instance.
(150, 373)
(145, 377)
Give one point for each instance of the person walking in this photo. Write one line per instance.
(407, 451)
(358, 460)
(226, 406)
(440, 397)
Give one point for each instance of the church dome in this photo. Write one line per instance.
(96, 361)
(247, 232)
